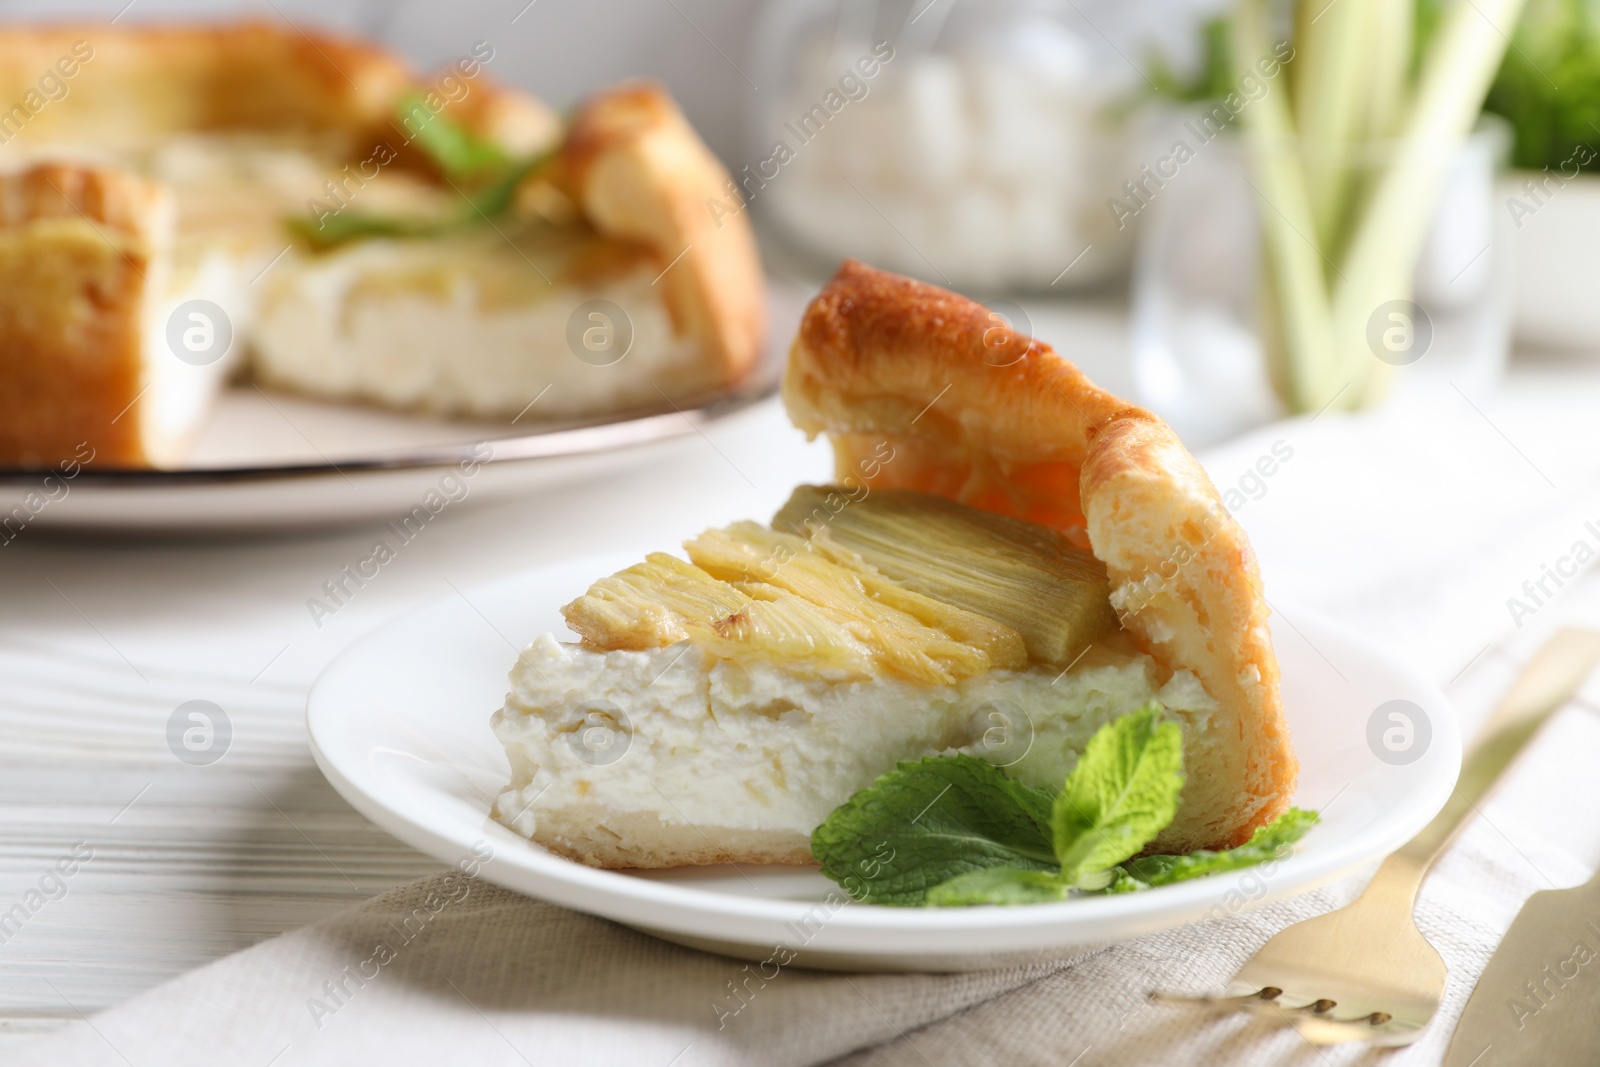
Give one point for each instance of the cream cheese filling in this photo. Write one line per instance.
(476, 323)
(597, 739)
(424, 325)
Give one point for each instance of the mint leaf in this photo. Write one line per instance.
(1123, 792)
(492, 177)
(999, 885)
(459, 152)
(494, 200)
(1123, 882)
(463, 155)
(956, 830)
(929, 821)
(498, 197)
(1269, 842)
(336, 229)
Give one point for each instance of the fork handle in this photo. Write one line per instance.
(1547, 683)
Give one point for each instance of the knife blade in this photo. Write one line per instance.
(1538, 1001)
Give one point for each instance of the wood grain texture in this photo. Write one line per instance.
(102, 638)
(188, 863)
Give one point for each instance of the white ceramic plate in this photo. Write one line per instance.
(400, 725)
(267, 460)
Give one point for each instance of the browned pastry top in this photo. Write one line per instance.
(920, 388)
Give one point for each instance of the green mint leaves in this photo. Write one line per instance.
(1269, 842)
(929, 821)
(478, 169)
(1122, 793)
(955, 830)
(458, 151)
(958, 830)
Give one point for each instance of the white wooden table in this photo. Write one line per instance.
(102, 639)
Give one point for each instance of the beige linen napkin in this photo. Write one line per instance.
(450, 969)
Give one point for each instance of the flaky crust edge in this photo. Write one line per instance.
(877, 354)
(88, 239)
(249, 73)
(639, 172)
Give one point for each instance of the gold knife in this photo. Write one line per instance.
(1538, 1000)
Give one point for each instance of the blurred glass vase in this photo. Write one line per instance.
(963, 141)
(1203, 320)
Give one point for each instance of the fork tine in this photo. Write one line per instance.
(1370, 954)
(1267, 993)
(1320, 1030)
(1312, 1018)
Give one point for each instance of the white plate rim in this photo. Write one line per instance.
(554, 441)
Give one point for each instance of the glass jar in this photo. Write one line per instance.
(967, 142)
(1200, 345)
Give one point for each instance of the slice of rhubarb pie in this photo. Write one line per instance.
(999, 573)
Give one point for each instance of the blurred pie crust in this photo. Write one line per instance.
(162, 170)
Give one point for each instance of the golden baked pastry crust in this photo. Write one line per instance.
(70, 338)
(149, 80)
(639, 172)
(77, 250)
(84, 242)
(972, 410)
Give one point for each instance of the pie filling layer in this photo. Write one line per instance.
(474, 321)
(686, 740)
(745, 693)
(478, 324)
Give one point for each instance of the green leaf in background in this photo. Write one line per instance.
(1123, 792)
(1216, 77)
(1548, 85)
(491, 176)
(929, 821)
(999, 885)
(1269, 842)
(337, 228)
(459, 152)
(497, 198)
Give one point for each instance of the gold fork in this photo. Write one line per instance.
(1365, 972)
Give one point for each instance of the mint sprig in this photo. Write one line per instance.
(1123, 792)
(931, 820)
(462, 157)
(456, 150)
(1269, 842)
(955, 830)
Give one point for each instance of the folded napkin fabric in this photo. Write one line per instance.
(452, 970)
(1434, 529)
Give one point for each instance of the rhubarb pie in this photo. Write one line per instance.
(1009, 558)
(180, 204)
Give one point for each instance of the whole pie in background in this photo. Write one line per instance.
(179, 205)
